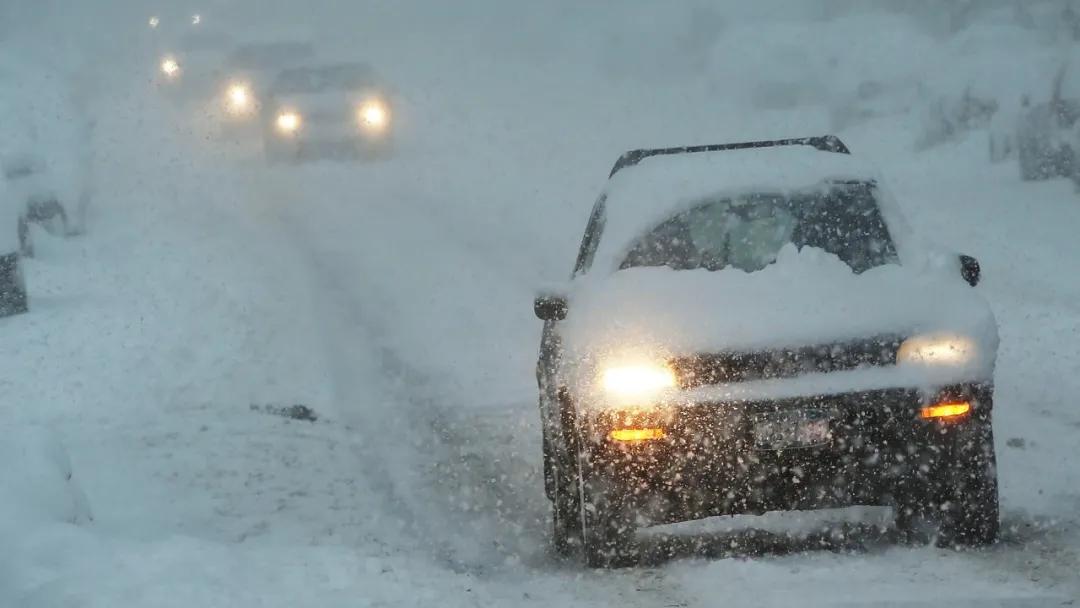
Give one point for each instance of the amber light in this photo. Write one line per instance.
(637, 434)
(945, 411)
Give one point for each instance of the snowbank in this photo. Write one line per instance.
(37, 484)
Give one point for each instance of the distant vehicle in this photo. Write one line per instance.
(246, 75)
(747, 329)
(1044, 144)
(341, 109)
(190, 65)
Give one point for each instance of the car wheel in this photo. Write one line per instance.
(969, 491)
(607, 532)
(13, 298)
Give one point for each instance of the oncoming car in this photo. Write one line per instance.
(340, 109)
(753, 327)
(189, 66)
(246, 73)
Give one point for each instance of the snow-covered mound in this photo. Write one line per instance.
(37, 484)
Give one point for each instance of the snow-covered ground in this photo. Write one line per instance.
(393, 299)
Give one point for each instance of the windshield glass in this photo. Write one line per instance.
(331, 78)
(748, 232)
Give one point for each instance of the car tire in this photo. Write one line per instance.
(607, 532)
(969, 491)
(13, 297)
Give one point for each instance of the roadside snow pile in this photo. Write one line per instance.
(44, 152)
(37, 485)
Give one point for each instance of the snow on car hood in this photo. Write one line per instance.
(808, 297)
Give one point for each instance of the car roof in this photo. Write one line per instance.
(822, 143)
(656, 184)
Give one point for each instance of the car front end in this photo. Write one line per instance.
(329, 127)
(827, 426)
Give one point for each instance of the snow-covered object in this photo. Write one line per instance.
(805, 298)
(49, 135)
(37, 485)
(642, 196)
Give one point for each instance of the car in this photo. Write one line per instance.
(327, 110)
(753, 327)
(189, 65)
(244, 81)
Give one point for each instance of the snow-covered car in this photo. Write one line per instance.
(753, 327)
(246, 75)
(340, 109)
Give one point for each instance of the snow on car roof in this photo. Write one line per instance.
(641, 196)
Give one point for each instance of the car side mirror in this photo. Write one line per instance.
(969, 269)
(550, 307)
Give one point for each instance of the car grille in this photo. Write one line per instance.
(724, 368)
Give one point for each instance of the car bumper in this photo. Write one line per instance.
(708, 462)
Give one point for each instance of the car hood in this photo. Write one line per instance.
(806, 298)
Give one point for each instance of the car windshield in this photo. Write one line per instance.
(270, 55)
(332, 78)
(747, 232)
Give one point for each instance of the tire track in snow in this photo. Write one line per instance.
(478, 515)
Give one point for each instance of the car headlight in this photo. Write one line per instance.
(637, 380)
(238, 97)
(937, 349)
(373, 115)
(170, 66)
(288, 122)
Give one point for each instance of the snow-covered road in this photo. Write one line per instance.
(393, 299)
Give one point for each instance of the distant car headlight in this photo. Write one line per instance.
(170, 66)
(637, 380)
(154, 22)
(238, 98)
(288, 122)
(937, 349)
(374, 115)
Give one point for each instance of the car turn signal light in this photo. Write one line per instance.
(637, 434)
(945, 411)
